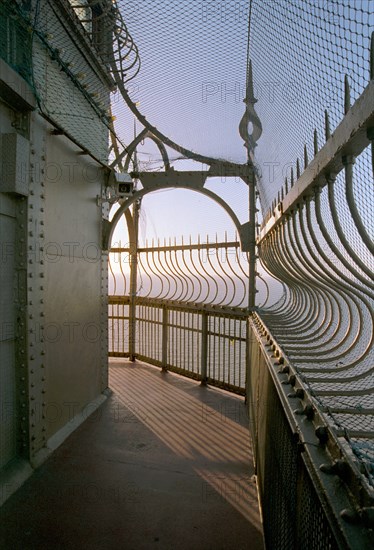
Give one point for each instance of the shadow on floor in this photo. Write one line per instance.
(164, 463)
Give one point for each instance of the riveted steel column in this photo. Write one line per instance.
(204, 348)
(36, 292)
(21, 332)
(133, 281)
(104, 319)
(104, 329)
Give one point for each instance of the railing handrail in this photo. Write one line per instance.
(232, 312)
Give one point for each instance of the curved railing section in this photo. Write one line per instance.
(189, 310)
(213, 273)
(318, 241)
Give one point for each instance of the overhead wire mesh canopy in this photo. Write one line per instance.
(192, 78)
(193, 67)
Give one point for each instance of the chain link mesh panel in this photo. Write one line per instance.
(15, 39)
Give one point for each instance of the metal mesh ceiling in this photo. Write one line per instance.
(193, 69)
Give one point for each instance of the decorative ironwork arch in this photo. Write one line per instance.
(241, 228)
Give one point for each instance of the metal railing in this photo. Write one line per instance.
(203, 343)
(205, 338)
(310, 383)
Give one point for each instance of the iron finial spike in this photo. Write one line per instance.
(347, 95)
(282, 193)
(372, 56)
(315, 139)
(250, 116)
(297, 168)
(306, 160)
(292, 181)
(327, 125)
(286, 185)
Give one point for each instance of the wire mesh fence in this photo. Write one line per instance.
(15, 39)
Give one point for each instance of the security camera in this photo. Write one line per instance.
(121, 183)
(125, 185)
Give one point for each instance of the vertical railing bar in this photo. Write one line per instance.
(175, 349)
(209, 351)
(118, 329)
(217, 355)
(113, 332)
(164, 337)
(144, 329)
(228, 350)
(121, 331)
(204, 347)
(234, 343)
(149, 324)
(180, 337)
(183, 339)
(172, 343)
(188, 341)
(195, 341)
(170, 331)
(157, 332)
(234, 350)
(239, 352)
(146, 313)
(224, 350)
(141, 343)
(214, 347)
(150, 330)
(154, 312)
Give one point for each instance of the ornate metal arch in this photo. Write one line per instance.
(169, 180)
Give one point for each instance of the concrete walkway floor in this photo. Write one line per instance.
(163, 464)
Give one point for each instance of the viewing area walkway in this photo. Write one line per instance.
(163, 463)
(186, 275)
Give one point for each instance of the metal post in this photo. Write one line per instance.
(252, 241)
(204, 348)
(247, 363)
(165, 333)
(133, 281)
